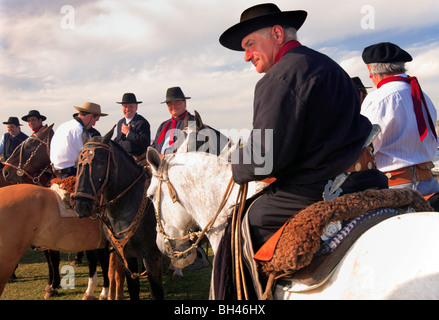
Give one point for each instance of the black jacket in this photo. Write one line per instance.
(12, 142)
(139, 137)
(178, 134)
(312, 108)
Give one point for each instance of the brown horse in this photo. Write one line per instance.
(41, 177)
(29, 215)
(30, 163)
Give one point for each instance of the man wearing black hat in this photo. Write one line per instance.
(35, 120)
(170, 130)
(133, 130)
(12, 139)
(408, 140)
(312, 109)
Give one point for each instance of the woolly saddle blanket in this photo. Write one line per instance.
(62, 188)
(300, 238)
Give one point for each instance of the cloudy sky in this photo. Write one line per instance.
(55, 54)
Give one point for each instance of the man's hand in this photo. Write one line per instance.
(125, 128)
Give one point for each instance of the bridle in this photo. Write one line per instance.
(163, 177)
(236, 247)
(20, 169)
(119, 241)
(85, 159)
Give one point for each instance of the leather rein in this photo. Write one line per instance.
(119, 241)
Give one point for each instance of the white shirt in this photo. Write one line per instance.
(66, 144)
(398, 145)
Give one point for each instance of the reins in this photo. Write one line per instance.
(85, 158)
(236, 244)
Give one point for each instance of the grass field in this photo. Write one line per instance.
(32, 276)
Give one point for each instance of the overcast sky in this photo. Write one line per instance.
(55, 54)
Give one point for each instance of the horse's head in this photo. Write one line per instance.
(94, 163)
(30, 159)
(175, 225)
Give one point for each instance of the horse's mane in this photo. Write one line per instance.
(118, 149)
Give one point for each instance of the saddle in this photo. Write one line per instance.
(298, 251)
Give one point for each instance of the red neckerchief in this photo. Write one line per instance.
(287, 47)
(35, 131)
(171, 123)
(418, 98)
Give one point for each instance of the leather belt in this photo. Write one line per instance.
(70, 171)
(366, 161)
(418, 172)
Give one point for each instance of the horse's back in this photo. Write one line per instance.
(30, 214)
(25, 196)
(397, 259)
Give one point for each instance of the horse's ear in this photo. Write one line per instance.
(51, 126)
(108, 136)
(198, 121)
(153, 158)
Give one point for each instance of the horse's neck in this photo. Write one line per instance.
(123, 211)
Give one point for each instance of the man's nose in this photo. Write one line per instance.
(248, 56)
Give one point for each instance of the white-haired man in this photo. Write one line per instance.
(408, 140)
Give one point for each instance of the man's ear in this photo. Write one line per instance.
(370, 72)
(278, 34)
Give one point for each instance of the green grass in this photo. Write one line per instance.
(32, 276)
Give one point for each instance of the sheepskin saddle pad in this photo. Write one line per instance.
(299, 241)
(63, 188)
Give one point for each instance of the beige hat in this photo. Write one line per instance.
(91, 107)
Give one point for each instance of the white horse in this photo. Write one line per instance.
(397, 259)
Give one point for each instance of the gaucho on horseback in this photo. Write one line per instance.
(70, 137)
(312, 108)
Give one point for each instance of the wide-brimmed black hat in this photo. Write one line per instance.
(174, 94)
(258, 17)
(129, 98)
(13, 120)
(385, 52)
(33, 113)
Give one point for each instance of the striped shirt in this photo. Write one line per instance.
(398, 145)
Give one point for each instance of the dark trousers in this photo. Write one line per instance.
(281, 200)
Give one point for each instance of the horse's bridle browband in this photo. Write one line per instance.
(21, 169)
(163, 176)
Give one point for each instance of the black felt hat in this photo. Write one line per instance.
(129, 98)
(175, 94)
(33, 113)
(385, 52)
(258, 17)
(13, 120)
